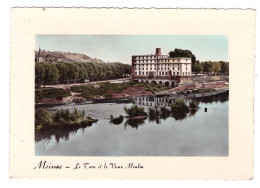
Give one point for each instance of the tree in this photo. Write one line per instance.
(197, 67)
(82, 71)
(207, 67)
(224, 67)
(63, 71)
(183, 53)
(216, 67)
(73, 71)
(39, 73)
(51, 73)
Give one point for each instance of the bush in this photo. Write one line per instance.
(151, 112)
(86, 123)
(179, 107)
(165, 112)
(193, 104)
(134, 111)
(117, 120)
(61, 118)
(43, 118)
(134, 123)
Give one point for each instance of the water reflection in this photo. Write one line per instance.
(167, 101)
(134, 123)
(158, 110)
(221, 97)
(63, 133)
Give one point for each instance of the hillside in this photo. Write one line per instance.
(55, 56)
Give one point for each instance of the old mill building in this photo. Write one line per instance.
(161, 69)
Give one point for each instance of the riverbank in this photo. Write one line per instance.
(121, 92)
(80, 93)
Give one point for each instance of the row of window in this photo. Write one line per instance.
(160, 61)
(152, 57)
(160, 65)
(164, 73)
(159, 68)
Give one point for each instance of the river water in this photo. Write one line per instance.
(200, 133)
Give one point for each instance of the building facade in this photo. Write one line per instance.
(158, 66)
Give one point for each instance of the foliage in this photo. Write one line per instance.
(224, 67)
(179, 116)
(61, 119)
(43, 118)
(183, 53)
(193, 104)
(134, 123)
(151, 112)
(46, 73)
(50, 93)
(197, 67)
(39, 73)
(51, 74)
(165, 112)
(117, 120)
(179, 107)
(207, 66)
(105, 89)
(134, 111)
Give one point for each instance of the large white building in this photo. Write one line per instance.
(158, 66)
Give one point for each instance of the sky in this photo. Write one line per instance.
(120, 48)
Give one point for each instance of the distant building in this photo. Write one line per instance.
(38, 58)
(158, 66)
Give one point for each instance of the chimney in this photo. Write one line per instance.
(158, 51)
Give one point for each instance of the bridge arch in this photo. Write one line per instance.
(153, 82)
(167, 84)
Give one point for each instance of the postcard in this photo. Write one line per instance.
(132, 93)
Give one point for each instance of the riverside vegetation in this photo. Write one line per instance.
(136, 114)
(62, 119)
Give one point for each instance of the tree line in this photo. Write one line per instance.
(199, 67)
(209, 67)
(46, 73)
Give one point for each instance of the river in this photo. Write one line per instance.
(200, 133)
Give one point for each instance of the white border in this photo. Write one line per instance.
(5, 40)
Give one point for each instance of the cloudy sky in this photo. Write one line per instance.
(113, 48)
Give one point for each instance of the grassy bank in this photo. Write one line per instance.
(50, 93)
(62, 119)
(105, 89)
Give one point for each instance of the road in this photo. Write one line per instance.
(121, 80)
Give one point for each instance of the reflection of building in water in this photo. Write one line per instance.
(167, 101)
(153, 101)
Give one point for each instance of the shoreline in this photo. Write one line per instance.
(129, 99)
